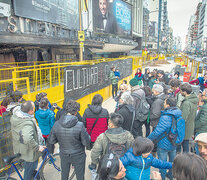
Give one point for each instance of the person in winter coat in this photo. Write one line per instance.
(149, 99)
(138, 160)
(114, 81)
(122, 88)
(139, 75)
(175, 86)
(201, 81)
(153, 78)
(26, 137)
(72, 138)
(96, 117)
(189, 110)
(157, 105)
(16, 99)
(126, 109)
(6, 101)
(164, 146)
(136, 88)
(115, 133)
(146, 77)
(46, 120)
(201, 118)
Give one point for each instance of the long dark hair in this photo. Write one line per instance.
(189, 166)
(109, 167)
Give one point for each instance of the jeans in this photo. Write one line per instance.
(114, 90)
(77, 160)
(29, 168)
(185, 145)
(137, 128)
(162, 155)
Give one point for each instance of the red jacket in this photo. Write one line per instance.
(2, 110)
(89, 117)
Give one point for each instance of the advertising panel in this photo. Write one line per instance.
(5, 9)
(62, 12)
(86, 79)
(113, 17)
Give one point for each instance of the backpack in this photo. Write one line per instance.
(141, 113)
(117, 149)
(176, 134)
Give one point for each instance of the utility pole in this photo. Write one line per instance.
(80, 29)
(159, 26)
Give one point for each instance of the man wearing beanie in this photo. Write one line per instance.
(157, 105)
(136, 90)
(201, 139)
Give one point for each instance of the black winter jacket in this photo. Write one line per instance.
(155, 109)
(70, 134)
(126, 111)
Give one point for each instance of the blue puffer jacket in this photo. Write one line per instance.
(138, 167)
(45, 119)
(163, 126)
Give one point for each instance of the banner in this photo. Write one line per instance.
(112, 17)
(86, 79)
(62, 12)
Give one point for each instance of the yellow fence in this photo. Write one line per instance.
(192, 65)
(49, 78)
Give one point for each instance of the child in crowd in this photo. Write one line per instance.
(117, 73)
(139, 159)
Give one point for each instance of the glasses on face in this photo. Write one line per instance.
(108, 165)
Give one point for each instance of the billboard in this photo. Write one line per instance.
(62, 12)
(113, 17)
(5, 9)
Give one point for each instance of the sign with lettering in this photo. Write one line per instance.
(86, 79)
(62, 12)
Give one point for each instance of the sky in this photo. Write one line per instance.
(179, 13)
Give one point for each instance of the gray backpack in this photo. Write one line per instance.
(141, 112)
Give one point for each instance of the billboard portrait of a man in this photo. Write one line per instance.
(105, 21)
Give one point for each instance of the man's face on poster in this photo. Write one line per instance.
(103, 5)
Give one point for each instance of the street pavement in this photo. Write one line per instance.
(109, 104)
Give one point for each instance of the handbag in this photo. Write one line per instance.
(91, 143)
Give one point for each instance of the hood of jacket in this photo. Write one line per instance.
(130, 107)
(173, 111)
(68, 121)
(160, 96)
(12, 107)
(20, 117)
(137, 89)
(43, 113)
(192, 98)
(95, 109)
(118, 135)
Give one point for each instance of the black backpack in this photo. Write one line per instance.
(141, 113)
(117, 149)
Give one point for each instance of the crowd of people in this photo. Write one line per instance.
(120, 149)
